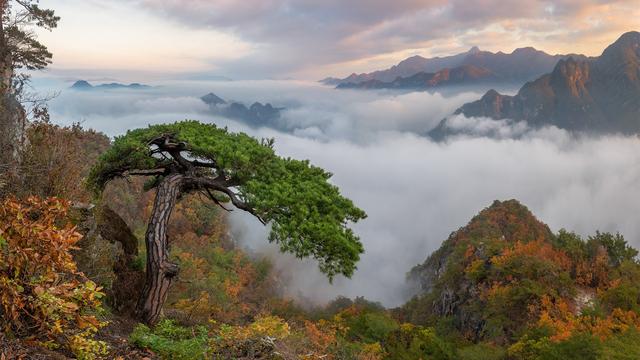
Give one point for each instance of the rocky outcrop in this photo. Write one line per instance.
(256, 115)
(212, 99)
(108, 254)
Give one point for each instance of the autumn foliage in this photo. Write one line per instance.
(42, 294)
(54, 161)
(506, 281)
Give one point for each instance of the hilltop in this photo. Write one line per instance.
(505, 275)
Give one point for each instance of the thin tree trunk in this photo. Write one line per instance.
(160, 271)
(6, 63)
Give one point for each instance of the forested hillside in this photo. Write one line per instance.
(505, 282)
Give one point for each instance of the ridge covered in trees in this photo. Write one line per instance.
(506, 281)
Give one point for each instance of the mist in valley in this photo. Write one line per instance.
(415, 191)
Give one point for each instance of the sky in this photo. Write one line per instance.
(310, 39)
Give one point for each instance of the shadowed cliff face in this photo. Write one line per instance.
(598, 95)
(107, 254)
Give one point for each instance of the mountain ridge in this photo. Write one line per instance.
(461, 75)
(255, 115)
(522, 64)
(599, 95)
(84, 85)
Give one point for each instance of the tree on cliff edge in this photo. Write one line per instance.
(19, 49)
(307, 215)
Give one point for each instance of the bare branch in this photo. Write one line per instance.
(151, 172)
(216, 185)
(216, 201)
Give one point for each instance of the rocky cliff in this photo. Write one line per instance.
(590, 95)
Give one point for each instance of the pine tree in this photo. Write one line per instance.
(307, 214)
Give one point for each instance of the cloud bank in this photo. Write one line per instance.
(415, 191)
(311, 110)
(334, 35)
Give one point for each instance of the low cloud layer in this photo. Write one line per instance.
(415, 191)
(311, 110)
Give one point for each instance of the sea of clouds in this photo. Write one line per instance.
(414, 190)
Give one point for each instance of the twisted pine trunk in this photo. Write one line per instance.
(160, 271)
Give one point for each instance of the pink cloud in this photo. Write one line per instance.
(307, 33)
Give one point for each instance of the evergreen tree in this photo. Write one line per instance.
(307, 215)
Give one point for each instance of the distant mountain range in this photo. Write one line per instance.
(470, 67)
(600, 94)
(461, 75)
(255, 115)
(85, 85)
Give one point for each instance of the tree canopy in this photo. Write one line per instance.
(26, 51)
(307, 214)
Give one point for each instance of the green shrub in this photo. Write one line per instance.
(172, 341)
(370, 327)
(414, 342)
(624, 346)
(580, 346)
(482, 352)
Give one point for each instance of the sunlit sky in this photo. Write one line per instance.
(311, 39)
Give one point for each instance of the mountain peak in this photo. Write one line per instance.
(509, 220)
(453, 276)
(626, 47)
(491, 94)
(629, 37)
(474, 50)
(525, 50)
(81, 85)
(212, 99)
